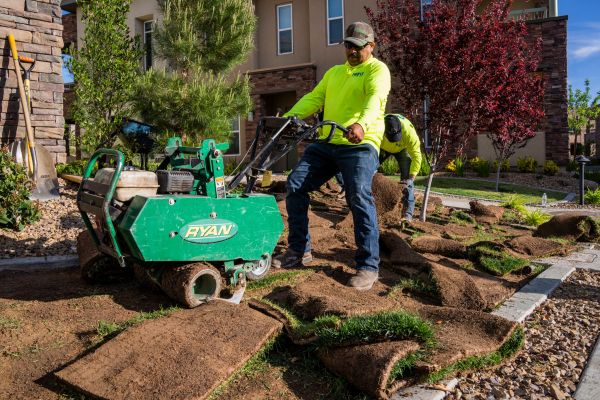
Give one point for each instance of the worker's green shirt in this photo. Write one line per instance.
(350, 95)
(410, 141)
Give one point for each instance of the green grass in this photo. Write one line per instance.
(404, 367)
(271, 280)
(414, 285)
(510, 347)
(486, 189)
(331, 330)
(9, 323)
(105, 329)
(257, 364)
(493, 259)
(461, 218)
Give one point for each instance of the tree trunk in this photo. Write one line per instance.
(426, 197)
(498, 175)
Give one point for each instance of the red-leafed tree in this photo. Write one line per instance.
(448, 57)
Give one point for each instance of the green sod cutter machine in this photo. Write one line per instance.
(181, 228)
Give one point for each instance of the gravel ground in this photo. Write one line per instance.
(55, 234)
(560, 336)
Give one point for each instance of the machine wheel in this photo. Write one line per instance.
(192, 284)
(143, 277)
(260, 269)
(103, 269)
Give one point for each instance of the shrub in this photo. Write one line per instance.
(425, 167)
(592, 196)
(16, 210)
(229, 168)
(474, 162)
(457, 166)
(504, 167)
(389, 166)
(535, 217)
(526, 164)
(515, 202)
(572, 166)
(482, 168)
(73, 168)
(550, 168)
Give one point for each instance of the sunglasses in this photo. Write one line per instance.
(352, 46)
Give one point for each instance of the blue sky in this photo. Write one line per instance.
(583, 41)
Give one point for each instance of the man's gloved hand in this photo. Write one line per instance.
(355, 134)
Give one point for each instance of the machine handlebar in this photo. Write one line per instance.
(312, 129)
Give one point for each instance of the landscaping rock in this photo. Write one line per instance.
(557, 344)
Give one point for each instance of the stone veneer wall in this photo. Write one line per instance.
(37, 27)
(299, 78)
(553, 66)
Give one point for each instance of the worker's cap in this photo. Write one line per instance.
(359, 33)
(393, 128)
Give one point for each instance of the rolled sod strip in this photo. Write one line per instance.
(187, 354)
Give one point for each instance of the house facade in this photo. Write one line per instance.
(296, 41)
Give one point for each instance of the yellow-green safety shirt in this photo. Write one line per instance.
(350, 95)
(410, 141)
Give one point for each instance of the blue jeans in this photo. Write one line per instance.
(318, 164)
(408, 194)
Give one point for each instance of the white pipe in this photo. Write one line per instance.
(553, 8)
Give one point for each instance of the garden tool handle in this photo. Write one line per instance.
(26, 60)
(23, 96)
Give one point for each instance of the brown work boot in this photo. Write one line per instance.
(291, 259)
(363, 280)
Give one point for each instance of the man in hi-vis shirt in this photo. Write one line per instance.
(353, 95)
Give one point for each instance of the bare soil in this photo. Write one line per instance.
(49, 319)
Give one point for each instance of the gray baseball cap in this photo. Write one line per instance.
(359, 33)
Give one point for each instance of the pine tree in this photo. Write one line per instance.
(105, 70)
(196, 93)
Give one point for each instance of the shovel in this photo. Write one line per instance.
(36, 159)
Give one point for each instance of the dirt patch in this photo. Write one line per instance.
(537, 247)
(576, 227)
(320, 295)
(456, 288)
(437, 245)
(185, 355)
(368, 366)
(463, 333)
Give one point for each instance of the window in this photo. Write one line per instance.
(148, 28)
(234, 138)
(335, 22)
(285, 42)
(68, 76)
(425, 5)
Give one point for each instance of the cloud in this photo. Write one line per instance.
(587, 50)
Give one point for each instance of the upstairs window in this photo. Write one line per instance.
(285, 41)
(335, 22)
(148, 29)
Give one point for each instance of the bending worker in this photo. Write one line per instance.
(354, 95)
(402, 142)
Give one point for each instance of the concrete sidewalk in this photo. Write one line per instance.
(462, 202)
